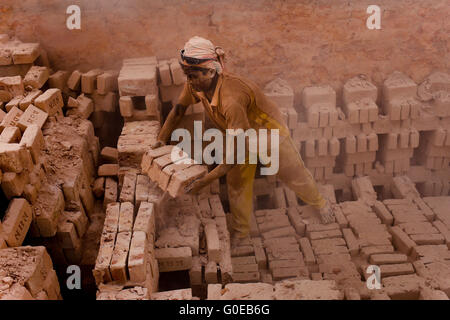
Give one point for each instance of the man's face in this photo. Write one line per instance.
(200, 80)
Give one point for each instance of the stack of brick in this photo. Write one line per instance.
(136, 138)
(127, 256)
(138, 89)
(16, 57)
(292, 289)
(319, 152)
(26, 273)
(21, 178)
(282, 95)
(91, 95)
(171, 168)
(105, 186)
(65, 202)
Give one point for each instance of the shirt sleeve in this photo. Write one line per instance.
(186, 97)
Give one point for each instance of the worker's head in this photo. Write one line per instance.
(201, 62)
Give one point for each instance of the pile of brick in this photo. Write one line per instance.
(26, 273)
(126, 256)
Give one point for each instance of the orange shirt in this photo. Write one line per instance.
(237, 103)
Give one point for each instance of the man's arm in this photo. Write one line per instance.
(172, 121)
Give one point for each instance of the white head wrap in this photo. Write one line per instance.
(200, 48)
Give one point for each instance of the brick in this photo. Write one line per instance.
(367, 252)
(418, 228)
(32, 116)
(120, 256)
(195, 273)
(350, 144)
(10, 135)
(109, 169)
(14, 87)
(101, 270)
(177, 73)
(242, 251)
(383, 213)
(29, 99)
(174, 259)
(388, 270)
(387, 258)
(13, 184)
(11, 118)
(127, 193)
(243, 260)
(126, 217)
(50, 101)
(279, 233)
(246, 277)
(428, 239)
(325, 234)
(307, 251)
(13, 103)
(296, 221)
(137, 80)
(137, 259)
(16, 222)
(36, 77)
(107, 82)
(260, 255)
(403, 287)
(211, 272)
(74, 80)
(25, 53)
(319, 94)
(182, 178)
(357, 88)
(89, 80)
(212, 242)
(66, 234)
(58, 79)
(47, 209)
(33, 140)
(352, 243)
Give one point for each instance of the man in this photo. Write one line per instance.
(233, 102)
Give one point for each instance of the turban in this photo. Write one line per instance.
(201, 48)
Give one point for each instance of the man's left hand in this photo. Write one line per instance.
(195, 186)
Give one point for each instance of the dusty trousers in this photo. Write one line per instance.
(292, 172)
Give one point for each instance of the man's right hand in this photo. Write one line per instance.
(158, 144)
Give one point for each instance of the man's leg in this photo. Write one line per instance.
(297, 177)
(240, 196)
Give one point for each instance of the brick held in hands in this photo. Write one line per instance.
(174, 259)
(182, 178)
(16, 222)
(50, 101)
(36, 77)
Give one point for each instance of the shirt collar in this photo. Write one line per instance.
(215, 98)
